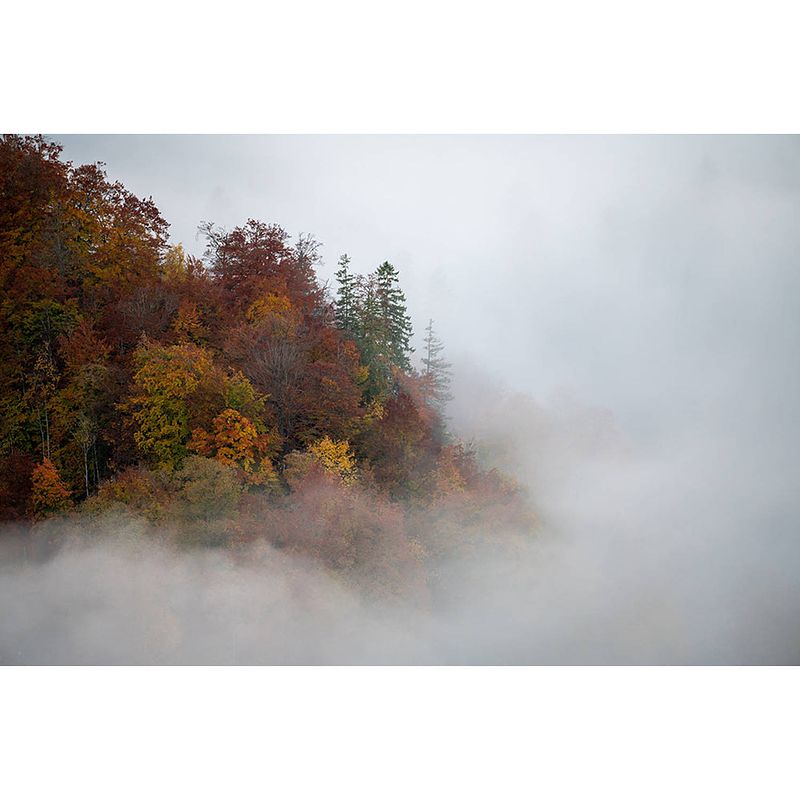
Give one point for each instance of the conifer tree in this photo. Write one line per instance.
(370, 333)
(397, 323)
(436, 371)
(345, 295)
(381, 327)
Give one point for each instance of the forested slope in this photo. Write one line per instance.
(224, 400)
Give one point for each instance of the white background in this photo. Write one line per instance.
(411, 67)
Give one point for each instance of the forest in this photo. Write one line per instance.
(225, 400)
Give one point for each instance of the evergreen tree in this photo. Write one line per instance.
(436, 371)
(370, 332)
(396, 322)
(345, 295)
(379, 324)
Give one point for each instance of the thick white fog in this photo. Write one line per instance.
(622, 315)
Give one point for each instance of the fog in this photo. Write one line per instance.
(622, 317)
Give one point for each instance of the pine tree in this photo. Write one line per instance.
(380, 326)
(436, 371)
(395, 319)
(345, 295)
(370, 332)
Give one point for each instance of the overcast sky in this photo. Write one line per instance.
(654, 276)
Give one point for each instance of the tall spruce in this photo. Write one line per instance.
(436, 371)
(345, 296)
(370, 332)
(395, 318)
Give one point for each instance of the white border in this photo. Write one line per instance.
(399, 733)
(429, 66)
(405, 68)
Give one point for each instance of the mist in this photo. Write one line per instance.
(622, 317)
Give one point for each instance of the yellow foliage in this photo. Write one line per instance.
(235, 442)
(164, 380)
(335, 457)
(265, 475)
(375, 411)
(174, 266)
(362, 375)
(274, 305)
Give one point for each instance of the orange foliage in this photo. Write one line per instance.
(49, 494)
(236, 442)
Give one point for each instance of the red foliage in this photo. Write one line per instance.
(257, 259)
(15, 484)
(402, 447)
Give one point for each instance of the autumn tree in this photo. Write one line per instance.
(402, 446)
(257, 258)
(207, 489)
(187, 322)
(308, 374)
(49, 494)
(165, 379)
(83, 403)
(334, 457)
(234, 440)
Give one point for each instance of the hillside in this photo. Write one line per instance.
(223, 400)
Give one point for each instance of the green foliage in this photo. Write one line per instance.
(345, 295)
(240, 395)
(394, 318)
(164, 381)
(381, 327)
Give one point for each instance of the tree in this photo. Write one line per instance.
(345, 295)
(83, 402)
(334, 457)
(381, 328)
(371, 335)
(235, 441)
(43, 384)
(435, 372)
(187, 323)
(163, 383)
(256, 258)
(401, 446)
(85, 438)
(209, 489)
(396, 322)
(300, 363)
(49, 494)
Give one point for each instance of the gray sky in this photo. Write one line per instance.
(655, 276)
